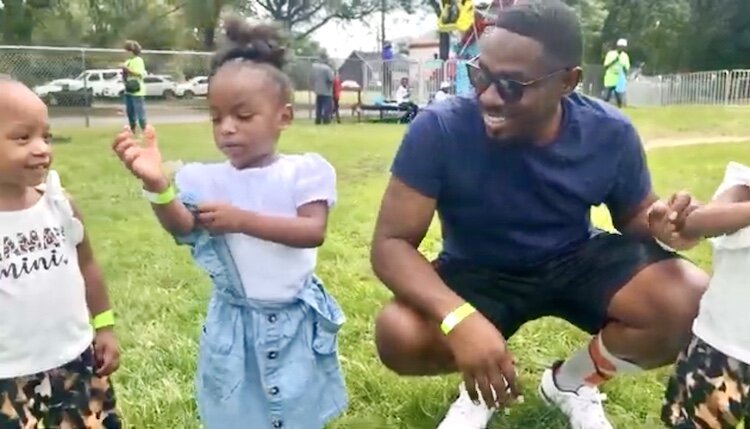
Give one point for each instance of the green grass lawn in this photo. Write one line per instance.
(160, 296)
(691, 121)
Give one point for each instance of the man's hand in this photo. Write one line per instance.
(481, 356)
(667, 218)
(220, 218)
(106, 351)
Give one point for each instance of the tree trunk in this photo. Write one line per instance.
(209, 38)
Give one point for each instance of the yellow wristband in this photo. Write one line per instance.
(456, 316)
(163, 198)
(104, 319)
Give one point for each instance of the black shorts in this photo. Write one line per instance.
(577, 286)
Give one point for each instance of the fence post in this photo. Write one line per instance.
(311, 104)
(728, 86)
(89, 100)
(422, 84)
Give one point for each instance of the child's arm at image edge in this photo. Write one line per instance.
(106, 350)
(307, 230)
(727, 214)
(96, 290)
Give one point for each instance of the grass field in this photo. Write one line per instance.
(160, 297)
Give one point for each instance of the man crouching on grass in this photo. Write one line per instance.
(513, 174)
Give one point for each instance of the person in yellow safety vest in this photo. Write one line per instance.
(616, 67)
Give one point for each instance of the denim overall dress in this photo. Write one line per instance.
(264, 365)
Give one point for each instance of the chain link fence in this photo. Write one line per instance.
(84, 85)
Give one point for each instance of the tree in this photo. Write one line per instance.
(149, 22)
(304, 17)
(653, 29)
(203, 16)
(720, 36)
(18, 19)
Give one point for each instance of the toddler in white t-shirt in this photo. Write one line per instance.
(711, 382)
(57, 345)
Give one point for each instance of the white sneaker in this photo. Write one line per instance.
(464, 414)
(583, 408)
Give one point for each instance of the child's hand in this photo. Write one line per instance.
(666, 220)
(143, 160)
(106, 351)
(220, 218)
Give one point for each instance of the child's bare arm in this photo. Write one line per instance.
(174, 217)
(727, 214)
(97, 299)
(306, 230)
(96, 290)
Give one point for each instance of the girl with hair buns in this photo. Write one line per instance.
(268, 349)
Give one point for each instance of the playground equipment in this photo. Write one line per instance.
(464, 21)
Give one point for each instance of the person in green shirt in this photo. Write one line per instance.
(134, 70)
(616, 68)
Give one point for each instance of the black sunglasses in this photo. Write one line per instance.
(510, 90)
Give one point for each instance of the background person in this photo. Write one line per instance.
(134, 70)
(322, 85)
(616, 69)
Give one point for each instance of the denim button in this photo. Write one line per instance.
(272, 355)
(272, 318)
(274, 390)
(277, 424)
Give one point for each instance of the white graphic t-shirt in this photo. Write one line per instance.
(722, 321)
(44, 319)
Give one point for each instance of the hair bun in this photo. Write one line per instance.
(262, 43)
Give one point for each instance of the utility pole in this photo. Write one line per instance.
(385, 81)
(382, 21)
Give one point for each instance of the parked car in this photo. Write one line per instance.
(69, 97)
(98, 81)
(157, 85)
(197, 86)
(160, 85)
(56, 86)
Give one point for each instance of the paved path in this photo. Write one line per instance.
(687, 141)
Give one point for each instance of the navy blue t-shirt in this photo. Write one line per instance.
(511, 207)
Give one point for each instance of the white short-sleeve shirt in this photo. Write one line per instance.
(722, 321)
(269, 271)
(42, 290)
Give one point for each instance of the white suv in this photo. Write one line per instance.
(99, 82)
(156, 85)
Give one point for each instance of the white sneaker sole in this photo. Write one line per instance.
(543, 396)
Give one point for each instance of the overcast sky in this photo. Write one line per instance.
(340, 39)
